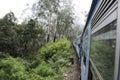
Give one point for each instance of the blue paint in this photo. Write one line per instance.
(88, 51)
(82, 69)
(85, 69)
(77, 49)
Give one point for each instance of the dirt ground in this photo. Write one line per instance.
(73, 72)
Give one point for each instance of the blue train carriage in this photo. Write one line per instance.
(77, 45)
(100, 52)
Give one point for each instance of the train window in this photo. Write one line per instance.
(103, 44)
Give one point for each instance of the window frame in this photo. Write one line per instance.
(114, 22)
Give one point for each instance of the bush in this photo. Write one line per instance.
(12, 69)
(59, 49)
(44, 70)
(48, 63)
(51, 60)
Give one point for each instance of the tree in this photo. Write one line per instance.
(56, 17)
(9, 19)
(33, 35)
(65, 20)
(46, 10)
(8, 35)
(18, 40)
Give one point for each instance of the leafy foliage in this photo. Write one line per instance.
(56, 16)
(12, 69)
(48, 63)
(24, 54)
(18, 40)
(52, 59)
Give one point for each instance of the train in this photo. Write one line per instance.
(98, 47)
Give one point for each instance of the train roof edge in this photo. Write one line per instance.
(94, 6)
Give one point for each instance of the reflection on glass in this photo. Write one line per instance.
(103, 50)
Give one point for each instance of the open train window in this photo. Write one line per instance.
(103, 46)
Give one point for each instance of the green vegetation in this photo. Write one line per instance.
(18, 40)
(37, 48)
(50, 22)
(48, 63)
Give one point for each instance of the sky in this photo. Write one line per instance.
(18, 6)
(81, 6)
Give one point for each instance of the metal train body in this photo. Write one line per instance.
(98, 47)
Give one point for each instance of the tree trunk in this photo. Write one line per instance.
(54, 38)
(48, 37)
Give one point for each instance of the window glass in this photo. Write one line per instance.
(103, 50)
